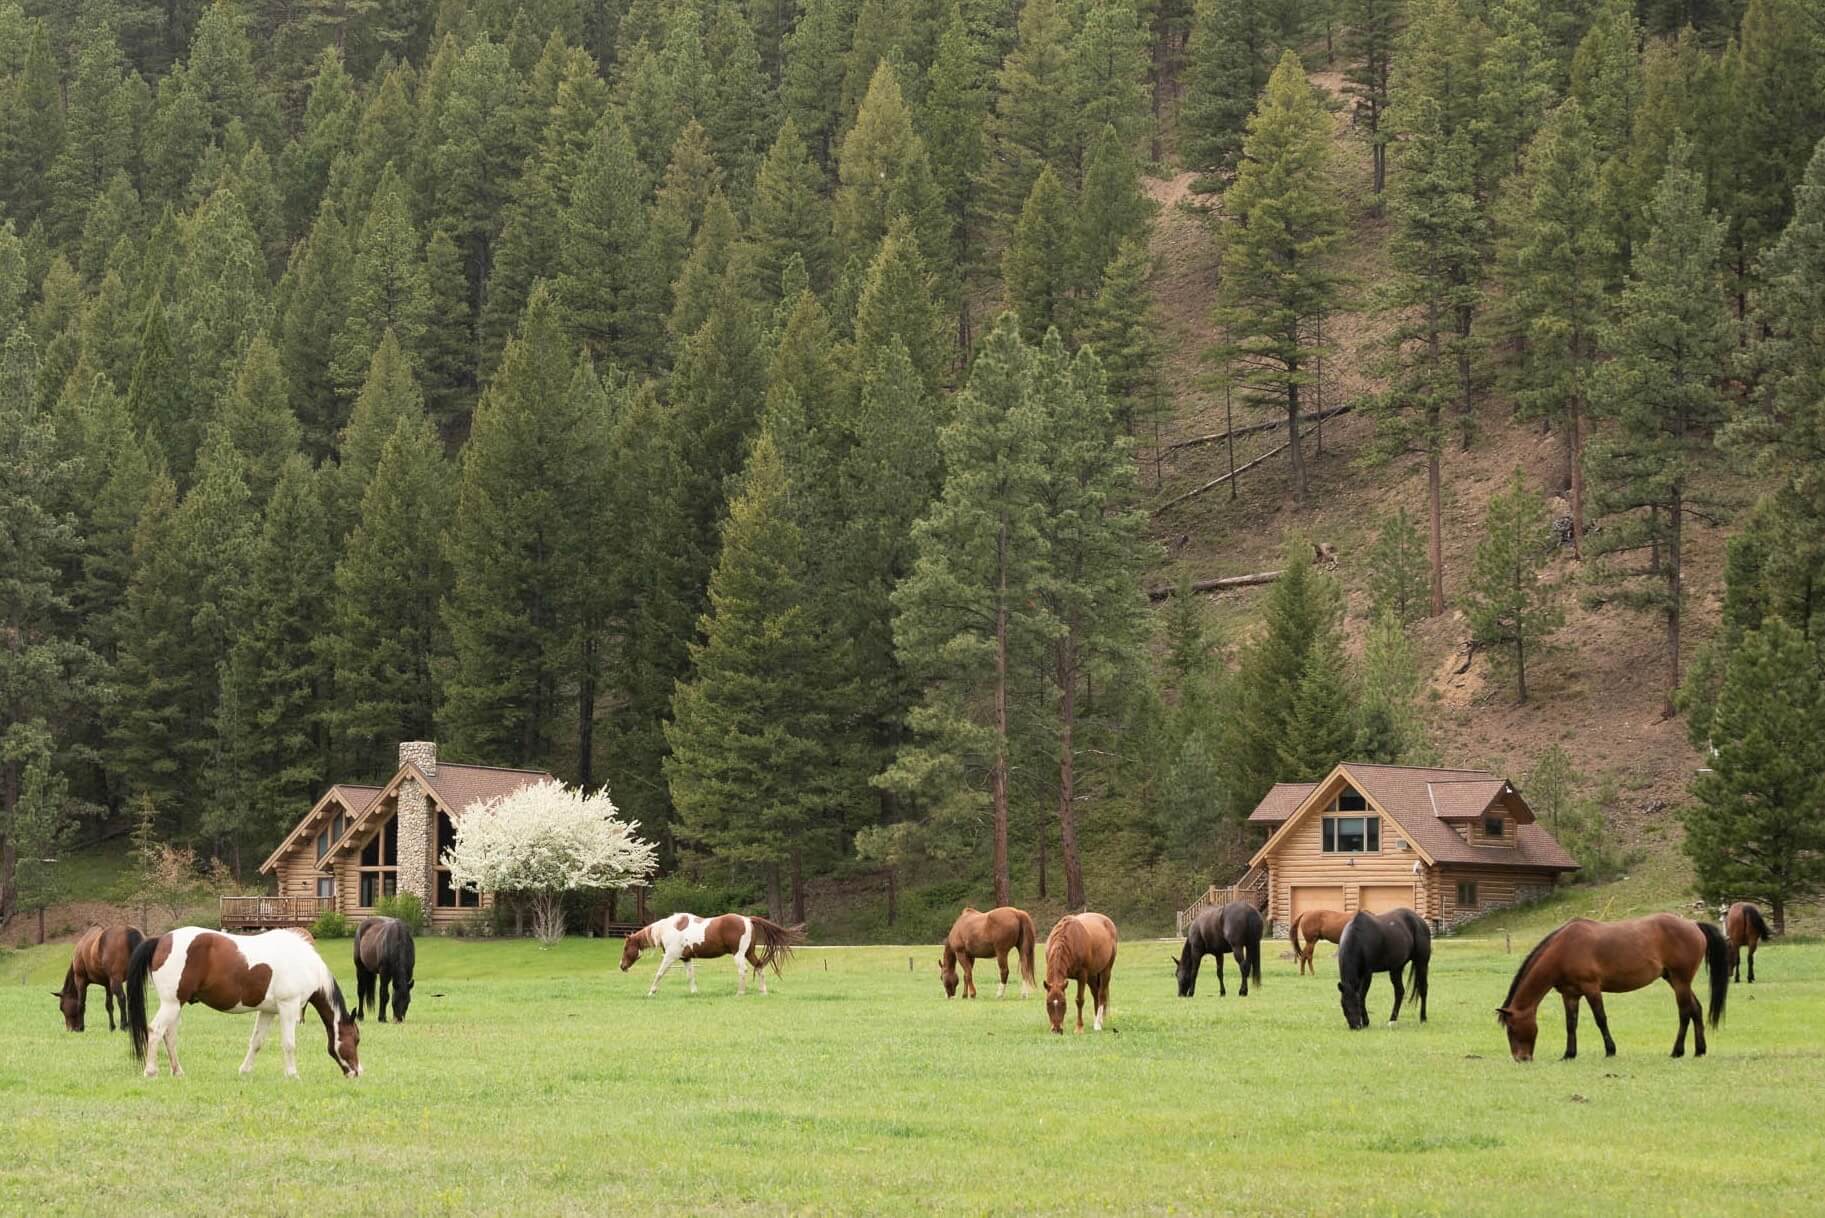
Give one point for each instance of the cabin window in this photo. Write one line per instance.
(326, 886)
(1466, 895)
(377, 884)
(338, 826)
(380, 864)
(1352, 834)
(323, 843)
(449, 896)
(1351, 800)
(1492, 826)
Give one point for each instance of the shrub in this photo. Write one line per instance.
(407, 907)
(330, 924)
(476, 924)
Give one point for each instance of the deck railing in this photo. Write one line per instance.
(265, 913)
(1251, 887)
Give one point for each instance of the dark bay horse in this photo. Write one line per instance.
(276, 974)
(1382, 943)
(1744, 927)
(1311, 926)
(100, 958)
(1586, 959)
(1235, 927)
(384, 953)
(1081, 948)
(977, 936)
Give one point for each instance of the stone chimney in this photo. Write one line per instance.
(417, 822)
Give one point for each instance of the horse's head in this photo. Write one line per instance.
(947, 973)
(1523, 1027)
(1055, 1003)
(69, 1001)
(630, 951)
(345, 1042)
(1355, 1011)
(402, 998)
(1185, 968)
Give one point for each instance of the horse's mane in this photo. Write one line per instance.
(1521, 972)
(337, 1002)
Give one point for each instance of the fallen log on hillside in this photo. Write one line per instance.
(1216, 482)
(1252, 429)
(1217, 585)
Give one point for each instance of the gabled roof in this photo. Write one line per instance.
(1423, 801)
(454, 787)
(350, 797)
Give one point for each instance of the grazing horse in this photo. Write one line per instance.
(1744, 927)
(755, 943)
(383, 953)
(277, 974)
(1235, 927)
(1586, 959)
(100, 958)
(977, 936)
(1311, 926)
(1081, 948)
(1382, 943)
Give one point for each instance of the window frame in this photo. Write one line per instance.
(1331, 834)
(326, 881)
(1497, 821)
(1467, 895)
(465, 897)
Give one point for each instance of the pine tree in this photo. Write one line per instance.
(1321, 721)
(609, 302)
(390, 393)
(897, 302)
(221, 297)
(387, 290)
(1112, 208)
(1518, 83)
(1670, 341)
(1038, 266)
(1606, 82)
(1118, 325)
(738, 107)
(953, 121)
(788, 217)
(311, 307)
(691, 179)
(1033, 125)
(1389, 729)
(31, 130)
(1754, 828)
(258, 420)
(811, 89)
(1397, 570)
(1370, 29)
(385, 633)
(1550, 262)
(331, 114)
(1228, 65)
(1510, 610)
(707, 271)
(157, 398)
(1278, 280)
(1108, 76)
(882, 172)
(97, 135)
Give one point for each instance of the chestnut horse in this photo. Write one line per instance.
(1744, 927)
(277, 974)
(755, 943)
(1586, 959)
(1081, 948)
(100, 958)
(1313, 925)
(977, 936)
(1235, 927)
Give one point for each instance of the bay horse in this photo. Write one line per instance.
(1744, 927)
(1311, 926)
(384, 953)
(1382, 943)
(1586, 959)
(1081, 948)
(756, 944)
(100, 958)
(1235, 927)
(276, 974)
(977, 936)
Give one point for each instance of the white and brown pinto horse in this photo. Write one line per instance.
(1081, 948)
(276, 974)
(756, 944)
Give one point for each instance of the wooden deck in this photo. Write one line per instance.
(269, 913)
(1252, 887)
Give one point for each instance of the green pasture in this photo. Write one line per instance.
(545, 1082)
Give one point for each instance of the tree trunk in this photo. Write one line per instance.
(1465, 377)
(998, 775)
(1067, 725)
(1575, 437)
(1675, 589)
(893, 911)
(1040, 861)
(586, 714)
(798, 888)
(9, 847)
(1778, 908)
(776, 902)
(1520, 643)
(1436, 546)
(1292, 438)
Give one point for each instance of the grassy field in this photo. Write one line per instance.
(544, 1082)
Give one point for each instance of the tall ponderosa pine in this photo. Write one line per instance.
(1370, 29)
(1038, 266)
(1228, 63)
(1033, 124)
(1511, 610)
(1397, 570)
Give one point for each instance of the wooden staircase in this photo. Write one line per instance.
(1252, 887)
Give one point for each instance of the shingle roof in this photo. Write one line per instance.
(1424, 800)
(459, 786)
(353, 798)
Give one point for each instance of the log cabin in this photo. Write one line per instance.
(358, 844)
(1449, 844)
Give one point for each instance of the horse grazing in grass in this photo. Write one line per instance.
(1382, 943)
(100, 958)
(1744, 927)
(383, 953)
(977, 936)
(756, 944)
(1311, 926)
(1081, 948)
(276, 974)
(1586, 959)
(1235, 927)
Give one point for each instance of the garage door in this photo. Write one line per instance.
(1308, 896)
(1381, 898)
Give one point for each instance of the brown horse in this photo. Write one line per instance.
(1744, 927)
(1586, 959)
(100, 958)
(1081, 948)
(1313, 925)
(977, 936)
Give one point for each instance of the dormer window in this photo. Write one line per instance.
(1492, 826)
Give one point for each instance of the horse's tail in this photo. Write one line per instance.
(134, 938)
(1254, 950)
(1025, 943)
(1756, 923)
(138, 965)
(776, 942)
(1717, 960)
(1292, 932)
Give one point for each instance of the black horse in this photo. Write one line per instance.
(383, 953)
(1236, 927)
(1382, 943)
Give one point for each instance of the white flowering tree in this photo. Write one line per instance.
(543, 841)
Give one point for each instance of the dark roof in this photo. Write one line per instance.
(1424, 801)
(459, 786)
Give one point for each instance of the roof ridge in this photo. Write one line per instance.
(470, 765)
(1436, 769)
